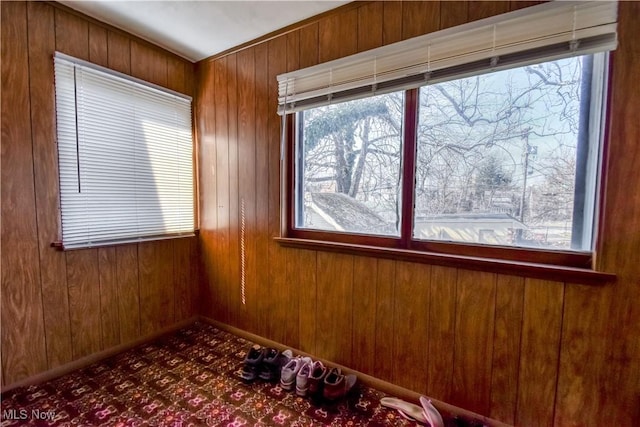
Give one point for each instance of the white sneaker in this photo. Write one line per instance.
(302, 379)
(290, 371)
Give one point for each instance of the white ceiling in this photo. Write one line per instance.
(198, 29)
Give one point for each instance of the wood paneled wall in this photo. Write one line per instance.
(60, 306)
(524, 351)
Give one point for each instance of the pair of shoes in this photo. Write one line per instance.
(264, 363)
(426, 413)
(252, 362)
(289, 373)
(336, 385)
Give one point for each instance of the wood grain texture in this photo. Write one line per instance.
(475, 312)
(233, 252)
(385, 326)
(262, 182)
(67, 305)
(364, 314)
(53, 269)
(148, 63)
(420, 17)
(442, 318)
(392, 22)
(222, 187)
(22, 304)
(411, 326)
(119, 52)
(309, 46)
(338, 36)
(128, 292)
(83, 278)
(453, 13)
(305, 282)
(484, 9)
(370, 26)
(541, 327)
(247, 181)
(185, 263)
(109, 310)
(506, 347)
(334, 302)
(157, 305)
(98, 45)
(176, 75)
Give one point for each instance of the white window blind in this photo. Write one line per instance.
(125, 152)
(544, 32)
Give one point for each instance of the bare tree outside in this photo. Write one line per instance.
(495, 160)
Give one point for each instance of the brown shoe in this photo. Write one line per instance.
(316, 378)
(336, 385)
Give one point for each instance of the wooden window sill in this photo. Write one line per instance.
(527, 269)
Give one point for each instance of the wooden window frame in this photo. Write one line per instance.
(559, 265)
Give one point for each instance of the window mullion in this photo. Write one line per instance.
(410, 134)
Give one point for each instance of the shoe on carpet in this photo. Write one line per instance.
(270, 368)
(252, 362)
(316, 378)
(336, 385)
(290, 371)
(302, 379)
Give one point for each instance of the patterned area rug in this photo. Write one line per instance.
(190, 378)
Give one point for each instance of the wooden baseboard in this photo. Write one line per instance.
(384, 386)
(96, 357)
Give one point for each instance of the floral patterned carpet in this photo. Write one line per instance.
(190, 378)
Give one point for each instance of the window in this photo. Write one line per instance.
(447, 143)
(125, 152)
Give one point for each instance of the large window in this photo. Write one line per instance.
(483, 140)
(125, 153)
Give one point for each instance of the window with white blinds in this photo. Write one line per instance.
(549, 31)
(125, 151)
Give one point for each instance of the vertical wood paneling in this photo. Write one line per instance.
(506, 347)
(364, 314)
(107, 267)
(157, 306)
(542, 322)
(306, 285)
(370, 26)
(84, 302)
(484, 9)
(128, 292)
(309, 45)
(21, 292)
(186, 278)
(119, 52)
(53, 274)
(280, 295)
(148, 63)
(262, 183)
(411, 325)
(385, 326)
(72, 35)
(338, 36)
(475, 313)
(59, 306)
(205, 110)
(222, 186)
(98, 45)
(392, 22)
(420, 17)
(247, 180)
(334, 302)
(453, 13)
(233, 252)
(442, 318)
